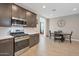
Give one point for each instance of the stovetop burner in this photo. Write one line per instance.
(16, 34)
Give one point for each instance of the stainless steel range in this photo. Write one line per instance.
(21, 42)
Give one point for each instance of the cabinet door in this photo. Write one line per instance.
(5, 14)
(5, 10)
(34, 21)
(15, 11)
(6, 47)
(31, 19)
(32, 40)
(21, 13)
(36, 38)
(28, 18)
(18, 12)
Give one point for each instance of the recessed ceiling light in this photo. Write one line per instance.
(43, 6)
(74, 9)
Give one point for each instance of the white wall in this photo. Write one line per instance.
(46, 27)
(72, 24)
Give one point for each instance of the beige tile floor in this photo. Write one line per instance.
(47, 47)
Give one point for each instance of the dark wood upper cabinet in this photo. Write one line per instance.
(22, 13)
(18, 12)
(31, 19)
(5, 14)
(9, 10)
(34, 20)
(15, 12)
(28, 18)
(5, 10)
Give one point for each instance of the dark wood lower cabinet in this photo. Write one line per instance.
(6, 47)
(34, 39)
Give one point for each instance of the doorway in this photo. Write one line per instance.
(42, 22)
(41, 27)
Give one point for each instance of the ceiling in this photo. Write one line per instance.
(60, 9)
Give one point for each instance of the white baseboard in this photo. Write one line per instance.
(73, 39)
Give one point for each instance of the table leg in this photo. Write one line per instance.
(50, 35)
(70, 39)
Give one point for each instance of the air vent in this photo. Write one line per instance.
(53, 10)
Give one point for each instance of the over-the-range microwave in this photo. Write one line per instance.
(18, 22)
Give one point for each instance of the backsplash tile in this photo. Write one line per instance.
(13, 29)
(4, 30)
(7, 30)
(30, 30)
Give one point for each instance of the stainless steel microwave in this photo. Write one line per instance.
(18, 22)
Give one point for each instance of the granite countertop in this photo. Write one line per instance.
(5, 37)
(30, 33)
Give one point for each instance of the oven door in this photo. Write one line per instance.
(21, 46)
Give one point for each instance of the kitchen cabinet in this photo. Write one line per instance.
(5, 14)
(9, 10)
(18, 15)
(37, 38)
(22, 13)
(6, 47)
(18, 12)
(15, 12)
(34, 39)
(34, 20)
(31, 19)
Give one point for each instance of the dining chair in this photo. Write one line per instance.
(50, 34)
(71, 36)
(59, 31)
(58, 36)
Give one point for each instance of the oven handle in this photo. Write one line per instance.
(17, 40)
